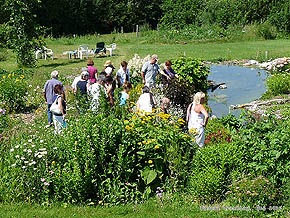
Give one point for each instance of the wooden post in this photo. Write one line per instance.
(266, 55)
(122, 30)
(137, 30)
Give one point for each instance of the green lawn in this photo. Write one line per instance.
(151, 208)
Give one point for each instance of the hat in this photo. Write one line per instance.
(107, 63)
(90, 62)
(54, 74)
(110, 65)
(85, 73)
(154, 57)
(108, 70)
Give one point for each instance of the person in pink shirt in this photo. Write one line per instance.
(92, 71)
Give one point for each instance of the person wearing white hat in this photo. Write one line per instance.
(48, 93)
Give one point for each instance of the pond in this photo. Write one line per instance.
(244, 85)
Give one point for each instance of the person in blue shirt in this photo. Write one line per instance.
(124, 94)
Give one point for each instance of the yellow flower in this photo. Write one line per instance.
(139, 143)
(126, 121)
(176, 127)
(145, 161)
(143, 122)
(134, 117)
(150, 161)
(4, 77)
(128, 127)
(156, 146)
(9, 75)
(76, 142)
(181, 121)
(53, 162)
(17, 80)
(132, 124)
(144, 142)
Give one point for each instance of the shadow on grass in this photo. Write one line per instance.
(53, 65)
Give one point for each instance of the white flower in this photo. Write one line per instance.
(23, 167)
(17, 156)
(25, 144)
(29, 151)
(25, 150)
(22, 158)
(54, 148)
(26, 162)
(42, 149)
(17, 146)
(13, 165)
(33, 146)
(41, 141)
(11, 150)
(42, 179)
(39, 156)
(34, 168)
(30, 140)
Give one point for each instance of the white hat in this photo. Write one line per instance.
(54, 74)
(109, 70)
(85, 73)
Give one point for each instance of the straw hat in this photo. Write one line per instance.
(107, 63)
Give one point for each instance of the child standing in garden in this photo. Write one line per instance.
(124, 94)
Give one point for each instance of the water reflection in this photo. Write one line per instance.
(243, 85)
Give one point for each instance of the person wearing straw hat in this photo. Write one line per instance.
(107, 64)
(92, 71)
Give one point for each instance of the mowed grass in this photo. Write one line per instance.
(129, 44)
(150, 208)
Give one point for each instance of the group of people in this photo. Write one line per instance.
(90, 84)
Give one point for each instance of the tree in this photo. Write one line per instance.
(22, 30)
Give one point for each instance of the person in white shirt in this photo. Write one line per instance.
(78, 78)
(123, 74)
(197, 118)
(146, 101)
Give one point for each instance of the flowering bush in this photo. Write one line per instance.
(99, 158)
(253, 192)
(12, 90)
(3, 120)
(135, 65)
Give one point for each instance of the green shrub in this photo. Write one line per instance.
(191, 73)
(278, 84)
(265, 146)
(12, 90)
(3, 54)
(212, 171)
(266, 31)
(253, 192)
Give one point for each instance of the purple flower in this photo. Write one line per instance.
(46, 184)
(42, 179)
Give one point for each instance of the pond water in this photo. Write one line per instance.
(244, 85)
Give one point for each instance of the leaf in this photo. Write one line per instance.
(141, 153)
(151, 176)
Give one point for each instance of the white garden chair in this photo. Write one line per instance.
(83, 50)
(111, 48)
(47, 52)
